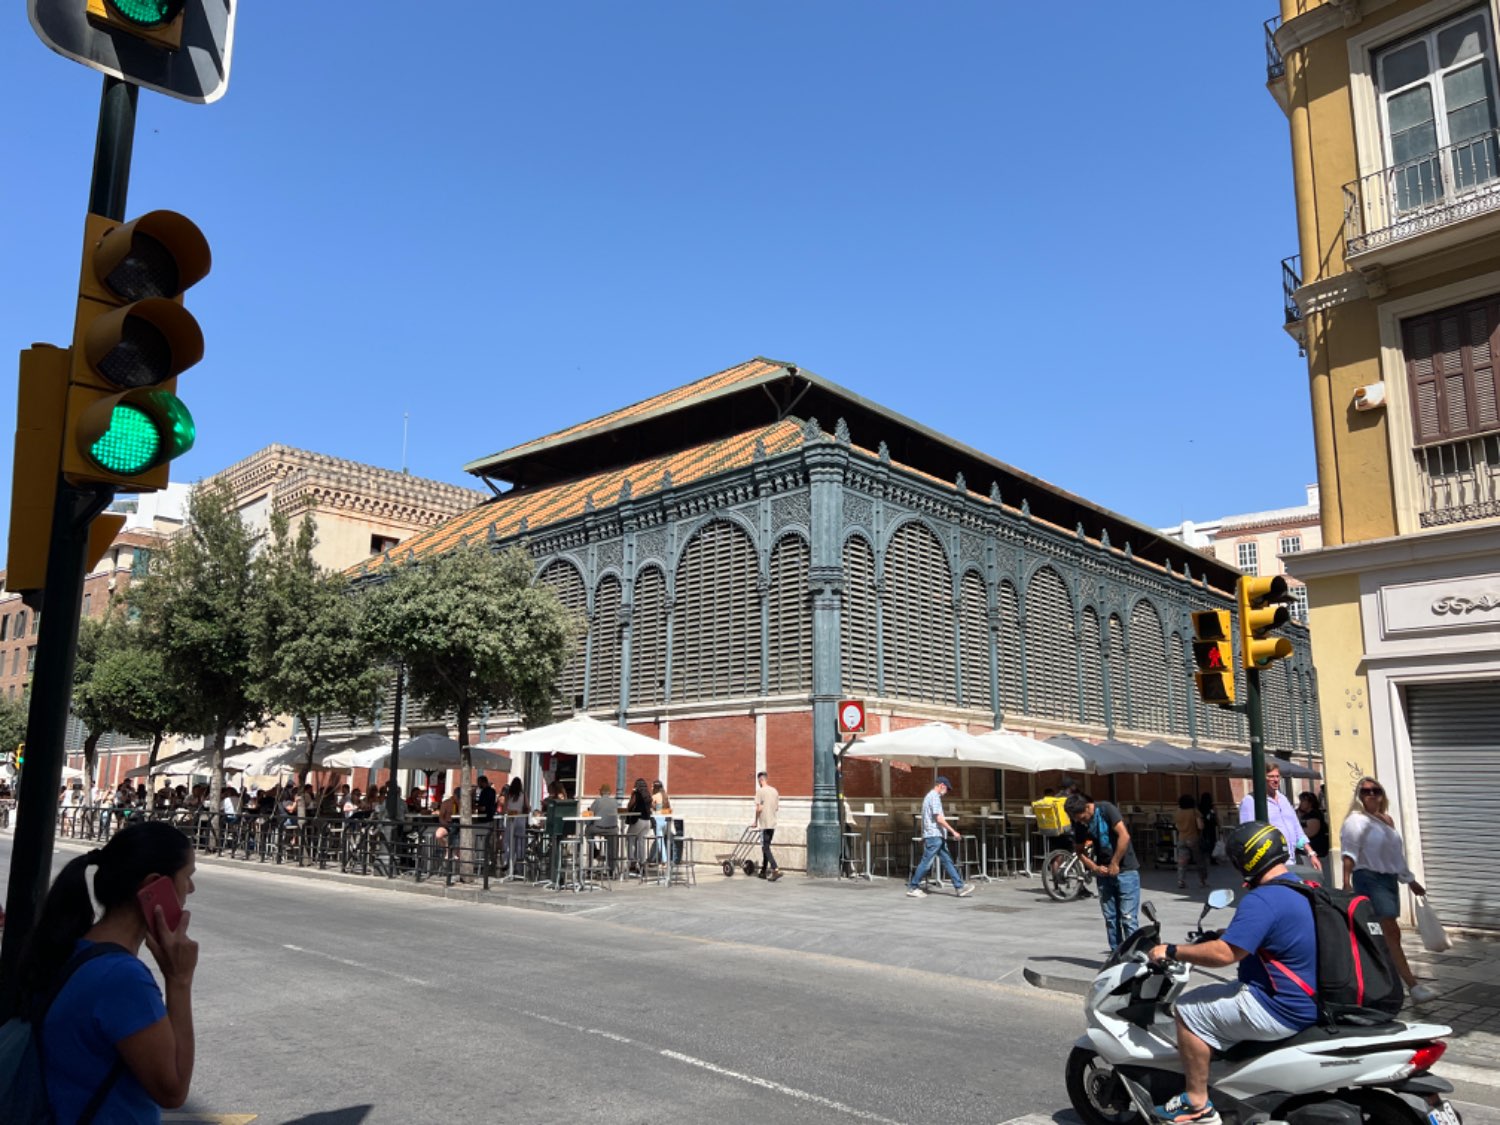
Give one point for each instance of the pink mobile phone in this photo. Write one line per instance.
(160, 892)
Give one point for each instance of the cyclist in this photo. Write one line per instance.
(1274, 924)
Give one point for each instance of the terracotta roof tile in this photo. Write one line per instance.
(549, 505)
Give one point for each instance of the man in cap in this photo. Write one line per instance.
(935, 831)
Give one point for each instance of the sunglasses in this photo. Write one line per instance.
(1368, 792)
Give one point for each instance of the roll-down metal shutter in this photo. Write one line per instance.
(1455, 755)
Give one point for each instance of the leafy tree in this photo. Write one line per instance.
(308, 655)
(120, 683)
(12, 725)
(195, 610)
(474, 631)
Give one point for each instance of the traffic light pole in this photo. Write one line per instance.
(1257, 740)
(57, 641)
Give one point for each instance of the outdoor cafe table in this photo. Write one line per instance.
(985, 816)
(869, 816)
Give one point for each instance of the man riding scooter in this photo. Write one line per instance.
(1274, 942)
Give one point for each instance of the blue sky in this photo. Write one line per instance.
(1050, 231)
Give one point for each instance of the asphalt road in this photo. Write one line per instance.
(333, 1004)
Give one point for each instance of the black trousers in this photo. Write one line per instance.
(767, 860)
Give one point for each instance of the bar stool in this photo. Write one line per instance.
(682, 869)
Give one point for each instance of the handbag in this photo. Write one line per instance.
(1220, 852)
(1435, 938)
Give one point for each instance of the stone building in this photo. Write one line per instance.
(741, 568)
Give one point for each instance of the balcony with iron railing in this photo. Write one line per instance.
(1291, 281)
(1275, 65)
(1388, 209)
(1460, 480)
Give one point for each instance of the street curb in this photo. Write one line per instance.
(1055, 984)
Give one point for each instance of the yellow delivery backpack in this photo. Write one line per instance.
(1051, 820)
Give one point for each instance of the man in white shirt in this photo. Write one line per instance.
(1281, 813)
(767, 806)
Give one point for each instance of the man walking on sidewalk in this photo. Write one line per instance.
(767, 804)
(935, 831)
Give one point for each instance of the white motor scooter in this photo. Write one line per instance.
(1341, 1075)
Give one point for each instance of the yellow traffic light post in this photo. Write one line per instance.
(1262, 608)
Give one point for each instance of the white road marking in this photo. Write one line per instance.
(777, 1087)
(353, 964)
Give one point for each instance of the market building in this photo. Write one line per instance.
(750, 548)
(1394, 297)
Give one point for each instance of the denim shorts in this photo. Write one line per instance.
(1382, 889)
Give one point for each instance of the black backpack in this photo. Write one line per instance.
(1357, 980)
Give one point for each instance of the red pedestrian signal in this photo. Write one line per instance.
(1213, 657)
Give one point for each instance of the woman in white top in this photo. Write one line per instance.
(1375, 866)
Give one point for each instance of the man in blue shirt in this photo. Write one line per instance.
(1275, 943)
(935, 832)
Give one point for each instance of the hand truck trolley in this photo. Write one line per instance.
(749, 844)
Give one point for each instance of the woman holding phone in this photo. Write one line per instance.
(112, 1048)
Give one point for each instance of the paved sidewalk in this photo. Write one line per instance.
(1008, 933)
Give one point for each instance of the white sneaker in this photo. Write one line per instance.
(966, 890)
(1421, 994)
(915, 892)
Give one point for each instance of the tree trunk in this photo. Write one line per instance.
(465, 786)
(90, 759)
(216, 773)
(151, 758)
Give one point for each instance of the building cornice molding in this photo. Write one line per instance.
(1325, 19)
(1446, 545)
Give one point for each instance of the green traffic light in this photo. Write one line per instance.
(146, 13)
(132, 443)
(145, 430)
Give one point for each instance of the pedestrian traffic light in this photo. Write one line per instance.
(1213, 657)
(156, 21)
(131, 340)
(20, 755)
(1261, 610)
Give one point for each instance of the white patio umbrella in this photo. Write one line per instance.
(930, 744)
(583, 737)
(164, 764)
(430, 752)
(340, 753)
(1031, 755)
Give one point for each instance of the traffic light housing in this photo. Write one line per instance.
(41, 409)
(131, 340)
(1262, 608)
(1213, 657)
(158, 22)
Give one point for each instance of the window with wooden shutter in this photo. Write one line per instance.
(1009, 606)
(1149, 705)
(791, 617)
(1051, 648)
(974, 641)
(716, 624)
(918, 618)
(567, 584)
(1093, 668)
(604, 673)
(1450, 365)
(648, 639)
(857, 650)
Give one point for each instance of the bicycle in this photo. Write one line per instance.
(1064, 877)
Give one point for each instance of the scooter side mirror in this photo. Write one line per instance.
(1219, 899)
(1149, 911)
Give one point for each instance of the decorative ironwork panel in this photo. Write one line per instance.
(974, 641)
(604, 635)
(716, 623)
(917, 625)
(791, 617)
(1092, 656)
(1009, 607)
(567, 584)
(1150, 705)
(1051, 648)
(1276, 705)
(859, 511)
(611, 554)
(648, 639)
(857, 650)
(651, 546)
(792, 510)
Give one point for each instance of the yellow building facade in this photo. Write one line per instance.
(1393, 108)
